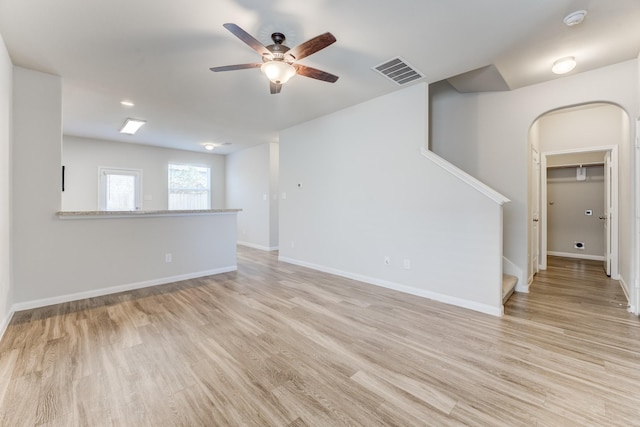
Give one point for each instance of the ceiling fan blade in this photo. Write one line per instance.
(311, 46)
(235, 67)
(314, 73)
(275, 88)
(248, 39)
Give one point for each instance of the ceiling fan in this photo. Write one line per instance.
(279, 61)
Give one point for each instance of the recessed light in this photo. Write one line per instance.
(131, 126)
(564, 65)
(127, 103)
(574, 18)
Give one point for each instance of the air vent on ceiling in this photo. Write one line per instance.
(398, 70)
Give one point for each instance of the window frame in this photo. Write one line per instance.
(103, 171)
(193, 165)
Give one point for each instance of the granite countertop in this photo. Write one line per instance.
(94, 214)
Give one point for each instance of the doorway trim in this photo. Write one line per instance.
(613, 149)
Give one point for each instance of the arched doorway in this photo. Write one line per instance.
(572, 137)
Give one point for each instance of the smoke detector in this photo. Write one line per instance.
(574, 18)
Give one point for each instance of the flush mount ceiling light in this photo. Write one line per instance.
(564, 65)
(279, 72)
(574, 18)
(131, 126)
(127, 103)
(209, 146)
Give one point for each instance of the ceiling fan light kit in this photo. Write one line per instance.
(278, 59)
(278, 72)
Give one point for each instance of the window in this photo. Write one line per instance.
(119, 189)
(189, 187)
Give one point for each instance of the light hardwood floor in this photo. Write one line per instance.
(278, 345)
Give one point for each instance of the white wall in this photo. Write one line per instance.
(567, 200)
(636, 228)
(452, 123)
(82, 157)
(593, 125)
(491, 134)
(274, 182)
(357, 190)
(36, 178)
(6, 89)
(251, 186)
(56, 259)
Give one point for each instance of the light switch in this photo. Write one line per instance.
(588, 212)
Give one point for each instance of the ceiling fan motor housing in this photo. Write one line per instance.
(277, 49)
(278, 38)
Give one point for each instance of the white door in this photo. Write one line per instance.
(608, 211)
(535, 212)
(119, 189)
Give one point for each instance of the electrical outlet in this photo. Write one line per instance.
(168, 257)
(387, 260)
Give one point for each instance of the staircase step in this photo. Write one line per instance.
(508, 286)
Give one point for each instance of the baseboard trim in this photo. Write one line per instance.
(5, 322)
(577, 256)
(459, 302)
(626, 290)
(259, 247)
(28, 305)
(527, 287)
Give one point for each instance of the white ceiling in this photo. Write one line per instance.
(158, 54)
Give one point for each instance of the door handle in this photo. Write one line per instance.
(535, 220)
(602, 217)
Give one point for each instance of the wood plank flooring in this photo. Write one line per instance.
(278, 345)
